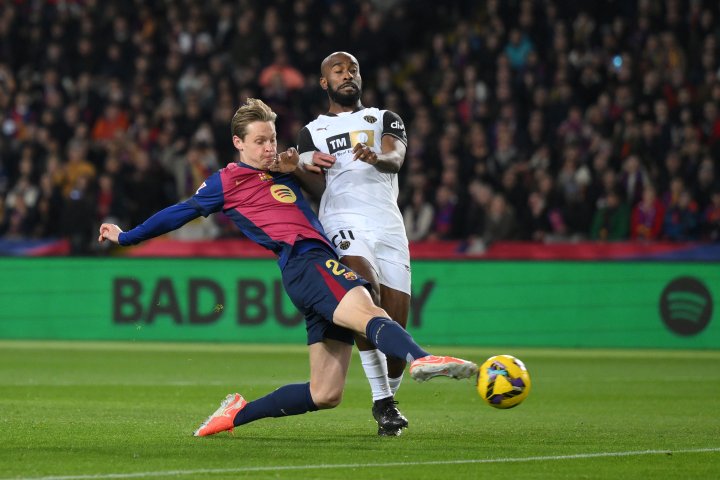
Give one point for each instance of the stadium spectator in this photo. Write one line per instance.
(681, 215)
(712, 218)
(418, 216)
(612, 220)
(444, 219)
(647, 216)
(78, 219)
(280, 75)
(500, 221)
(48, 209)
(76, 167)
(536, 223)
(112, 124)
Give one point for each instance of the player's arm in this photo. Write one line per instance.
(311, 171)
(208, 199)
(166, 220)
(393, 146)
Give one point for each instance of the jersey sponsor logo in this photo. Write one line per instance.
(363, 136)
(338, 142)
(283, 194)
(397, 124)
(370, 119)
(346, 141)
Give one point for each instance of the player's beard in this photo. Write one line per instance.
(345, 99)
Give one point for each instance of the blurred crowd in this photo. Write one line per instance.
(545, 120)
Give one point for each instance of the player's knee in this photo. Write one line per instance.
(366, 303)
(327, 399)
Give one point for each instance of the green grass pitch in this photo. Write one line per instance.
(127, 410)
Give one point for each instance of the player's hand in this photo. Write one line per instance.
(318, 162)
(364, 153)
(109, 231)
(285, 162)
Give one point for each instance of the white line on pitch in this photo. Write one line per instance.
(209, 471)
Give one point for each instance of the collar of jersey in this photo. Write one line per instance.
(243, 164)
(328, 114)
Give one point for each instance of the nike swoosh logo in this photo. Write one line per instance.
(238, 182)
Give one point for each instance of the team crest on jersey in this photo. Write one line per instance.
(283, 194)
(344, 245)
(350, 276)
(265, 176)
(370, 119)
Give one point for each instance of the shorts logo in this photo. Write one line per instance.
(283, 193)
(370, 119)
(350, 276)
(344, 244)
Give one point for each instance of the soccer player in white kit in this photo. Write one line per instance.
(351, 156)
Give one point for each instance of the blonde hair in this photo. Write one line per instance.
(253, 110)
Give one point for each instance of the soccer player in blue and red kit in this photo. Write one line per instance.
(262, 198)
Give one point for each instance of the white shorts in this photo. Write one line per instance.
(388, 253)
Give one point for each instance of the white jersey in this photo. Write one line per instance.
(357, 195)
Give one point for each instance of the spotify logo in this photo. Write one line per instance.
(686, 306)
(283, 193)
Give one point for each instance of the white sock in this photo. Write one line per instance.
(395, 383)
(374, 363)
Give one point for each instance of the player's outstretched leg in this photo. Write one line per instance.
(222, 418)
(391, 339)
(292, 399)
(425, 368)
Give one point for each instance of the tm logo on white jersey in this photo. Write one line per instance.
(338, 142)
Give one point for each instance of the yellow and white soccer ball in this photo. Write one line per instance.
(503, 381)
